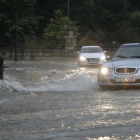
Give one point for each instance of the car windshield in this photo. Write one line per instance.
(127, 51)
(91, 50)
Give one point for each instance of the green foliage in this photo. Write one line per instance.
(108, 20)
(54, 33)
(17, 19)
(135, 21)
(101, 17)
(124, 32)
(129, 30)
(100, 35)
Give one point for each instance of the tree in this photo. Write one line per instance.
(17, 16)
(100, 15)
(135, 22)
(54, 33)
(105, 20)
(46, 9)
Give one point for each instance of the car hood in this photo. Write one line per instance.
(92, 55)
(122, 63)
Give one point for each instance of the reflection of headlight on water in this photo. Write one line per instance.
(103, 57)
(105, 71)
(82, 58)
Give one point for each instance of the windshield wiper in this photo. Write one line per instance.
(121, 56)
(134, 56)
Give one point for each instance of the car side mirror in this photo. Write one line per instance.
(108, 57)
(105, 51)
(78, 52)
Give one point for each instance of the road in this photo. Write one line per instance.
(54, 99)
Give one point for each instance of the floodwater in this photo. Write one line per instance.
(54, 99)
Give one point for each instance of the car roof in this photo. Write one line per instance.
(131, 44)
(90, 46)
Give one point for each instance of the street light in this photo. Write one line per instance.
(15, 59)
(68, 9)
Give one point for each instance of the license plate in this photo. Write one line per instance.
(93, 61)
(124, 79)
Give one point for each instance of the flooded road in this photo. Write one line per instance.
(54, 99)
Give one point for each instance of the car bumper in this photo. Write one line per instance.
(91, 63)
(109, 80)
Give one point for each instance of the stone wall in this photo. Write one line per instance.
(28, 54)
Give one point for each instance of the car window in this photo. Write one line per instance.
(127, 51)
(91, 50)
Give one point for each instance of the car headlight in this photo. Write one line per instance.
(103, 57)
(82, 58)
(105, 70)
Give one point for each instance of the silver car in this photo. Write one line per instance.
(91, 55)
(123, 69)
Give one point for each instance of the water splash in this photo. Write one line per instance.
(54, 80)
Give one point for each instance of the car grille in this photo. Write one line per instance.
(125, 70)
(93, 60)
